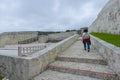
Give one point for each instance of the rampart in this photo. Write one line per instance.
(110, 53)
(9, 38)
(14, 37)
(25, 68)
(55, 36)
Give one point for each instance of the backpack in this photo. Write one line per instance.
(86, 36)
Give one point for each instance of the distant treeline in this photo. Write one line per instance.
(46, 33)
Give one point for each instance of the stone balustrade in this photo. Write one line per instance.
(27, 50)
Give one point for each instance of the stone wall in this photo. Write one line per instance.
(55, 36)
(13, 37)
(25, 68)
(8, 38)
(60, 36)
(42, 38)
(108, 19)
(14, 68)
(110, 53)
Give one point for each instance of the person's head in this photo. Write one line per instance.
(85, 30)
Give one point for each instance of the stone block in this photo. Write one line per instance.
(110, 53)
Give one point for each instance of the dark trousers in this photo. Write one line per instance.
(87, 45)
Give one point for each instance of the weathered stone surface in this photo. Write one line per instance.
(110, 53)
(25, 68)
(108, 19)
(9, 38)
(14, 68)
(41, 59)
(60, 36)
(84, 69)
(74, 67)
(56, 36)
(54, 75)
(14, 37)
(75, 53)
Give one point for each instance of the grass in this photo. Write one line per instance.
(1, 77)
(110, 38)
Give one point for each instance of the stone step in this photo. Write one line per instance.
(76, 53)
(84, 69)
(54, 75)
(82, 60)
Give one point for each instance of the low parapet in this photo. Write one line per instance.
(109, 52)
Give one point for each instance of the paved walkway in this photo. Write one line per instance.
(77, 51)
(77, 64)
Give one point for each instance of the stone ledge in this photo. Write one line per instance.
(82, 60)
(110, 53)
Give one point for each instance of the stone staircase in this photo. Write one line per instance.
(77, 64)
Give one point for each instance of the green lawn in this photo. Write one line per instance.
(110, 38)
(1, 77)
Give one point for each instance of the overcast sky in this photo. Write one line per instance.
(48, 15)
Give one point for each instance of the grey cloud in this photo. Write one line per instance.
(48, 15)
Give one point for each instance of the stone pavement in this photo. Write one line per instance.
(77, 64)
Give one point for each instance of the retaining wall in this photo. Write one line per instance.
(42, 38)
(55, 36)
(110, 53)
(60, 36)
(13, 37)
(25, 68)
(9, 38)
